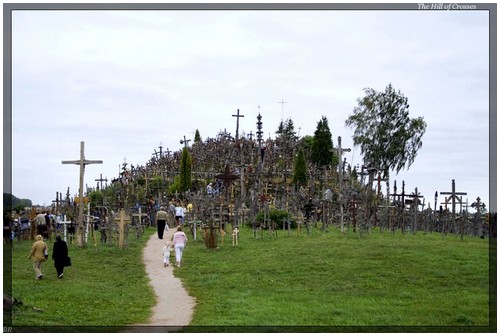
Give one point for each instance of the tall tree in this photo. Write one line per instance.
(197, 137)
(300, 169)
(185, 170)
(322, 148)
(286, 131)
(388, 138)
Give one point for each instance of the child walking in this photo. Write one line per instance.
(166, 254)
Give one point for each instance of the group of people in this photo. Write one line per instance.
(179, 241)
(179, 238)
(39, 253)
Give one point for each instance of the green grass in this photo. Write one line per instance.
(332, 280)
(106, 286)
(322, 282)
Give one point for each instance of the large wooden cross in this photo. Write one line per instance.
(454, 197)
(238, 116)
(82, 162)
(227, 178)
(185, 141)
(122, 219)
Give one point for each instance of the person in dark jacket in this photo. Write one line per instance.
(60, 255)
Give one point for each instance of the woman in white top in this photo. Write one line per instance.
(179, 240)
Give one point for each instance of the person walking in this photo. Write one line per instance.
(60, 255)
(40, 223)
(161, 221)
(180, 240)
(179, 214)
(166, 254)
(37, 255)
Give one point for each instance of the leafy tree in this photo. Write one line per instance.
(175, 185)
(322, 148)
(157, 183)
(197, 137)
(388, 138)
(96, 198)
(306, 144)
(277, 216)
(286, 131)
(300, 169)
(11, 202)
(185, 169)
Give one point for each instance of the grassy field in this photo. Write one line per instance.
(105, 287)
(322, 282)
(332, 281)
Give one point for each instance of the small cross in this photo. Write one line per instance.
(101, 180)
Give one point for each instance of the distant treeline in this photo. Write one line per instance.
(11, 202)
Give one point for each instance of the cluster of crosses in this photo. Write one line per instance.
(249, 176)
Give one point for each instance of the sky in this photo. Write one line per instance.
(126, 82)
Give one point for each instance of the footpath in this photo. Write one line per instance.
(174, 307)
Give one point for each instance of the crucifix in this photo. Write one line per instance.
(227, 178)
(454, 198)
(238, 116)
(82, 162)
(101, 180)
(185, 142)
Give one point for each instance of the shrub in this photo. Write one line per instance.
(276, 216)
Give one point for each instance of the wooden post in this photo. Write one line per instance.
(341, 180)
(82, 162)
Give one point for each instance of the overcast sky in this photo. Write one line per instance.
(127, 81)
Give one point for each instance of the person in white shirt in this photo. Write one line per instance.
(179, 240)
(179, 214)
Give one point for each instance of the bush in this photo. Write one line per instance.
(276, 216)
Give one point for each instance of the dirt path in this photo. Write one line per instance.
(174, 306)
